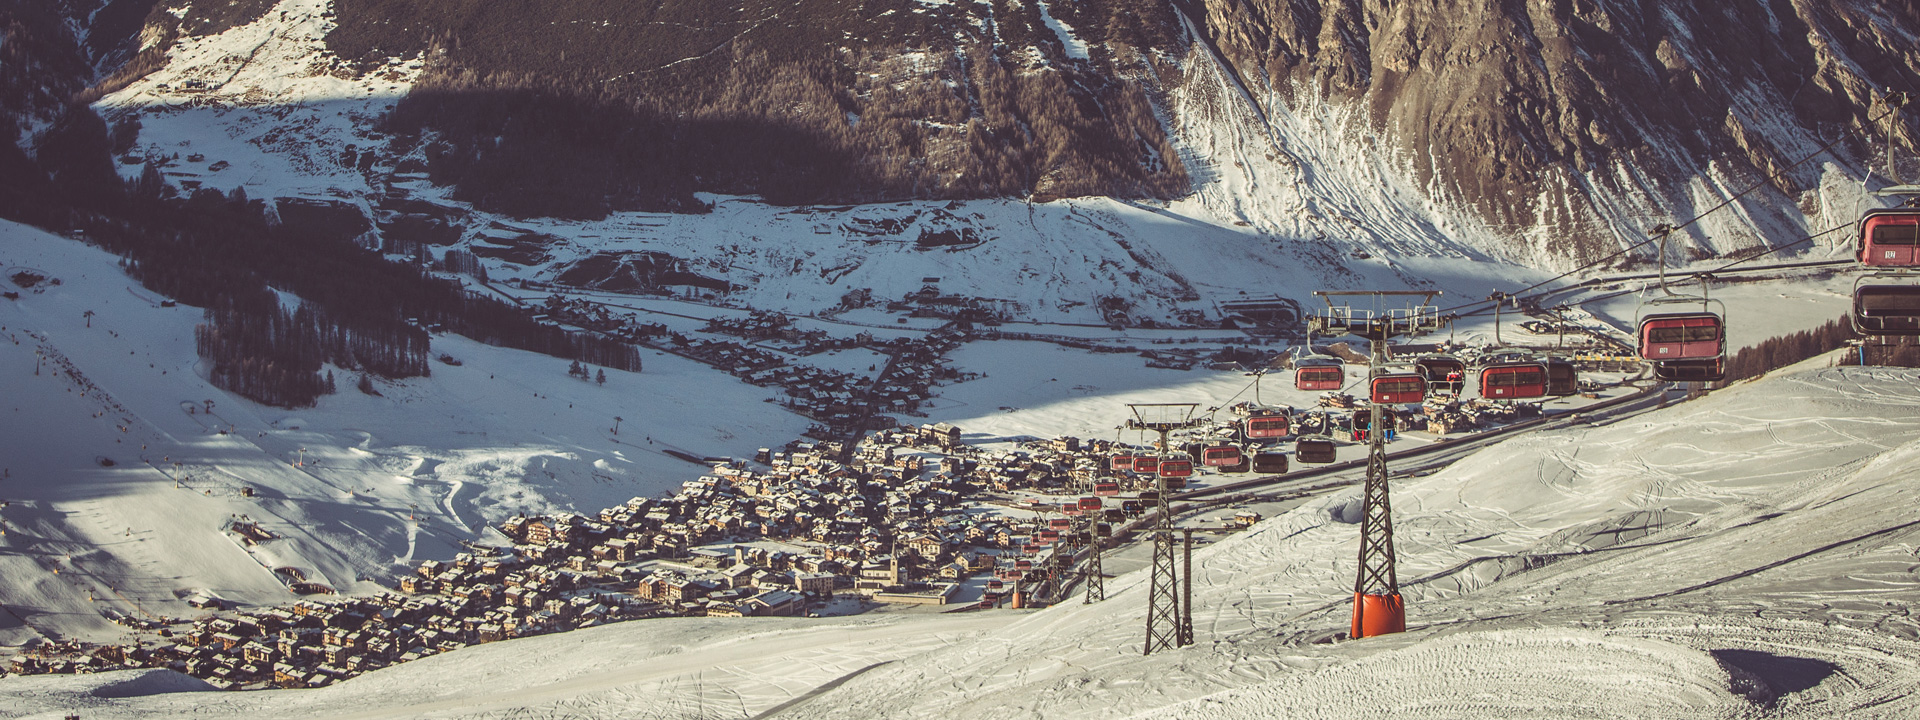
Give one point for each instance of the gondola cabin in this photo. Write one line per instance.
(1398, 388)
(1047, 537)
(1314, 450)
(1022, 565)
(1709, 370)
(1220, 456)
(1072, 508)
(1106, 489)
(1890, 237)
(1146, 464)
(1122, 463)
(1886, 309)
(1244, 465)
(1060, 524)
(1319, 377)
(1513, 381)
(1089, 504)
(1114, 515)
(1102, 530)
(1562, 378)
(1681, 336)
(994, 585)
(1176, 468)
(1270, 463)
(1444, 373)
(1268, 426)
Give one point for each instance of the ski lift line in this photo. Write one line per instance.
(1663, 231)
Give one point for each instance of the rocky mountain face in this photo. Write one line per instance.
(1549, 130)
(1579, 114)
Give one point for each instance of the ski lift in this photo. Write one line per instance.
(1061, 523)
(1146, 464)
(1022, 565)
(1709, 370)
(1880, 309)
(1443, 373)
(1887, 302)
(1175, 468)
(1239, 467)
(1689, 336)
(1667, 337)
(1270, 463)
(1513, 381)
(1314, 450)
(1890, 238)
(1089, 504)
(1106, 489)
(1319, 377)
(1396, 388)
(1220, 456)
(1046, 537)
(1563, 378)
(1072, 508)
(1122, 463)
(1268, 426)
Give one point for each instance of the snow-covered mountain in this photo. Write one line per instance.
(1540, 132)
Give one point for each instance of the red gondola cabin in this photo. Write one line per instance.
(1172, 468)
(1122, 462)
(1089, 504)
(1146, 464)
(1319, 377)
(1221, 456)
(1681, 336)
(1398, 388)
(1513, 381)
(1268, 426)
(1106, 489)
(1890, 238)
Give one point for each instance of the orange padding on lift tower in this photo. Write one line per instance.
(1378, 615)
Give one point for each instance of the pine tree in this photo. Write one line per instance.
(601, 377)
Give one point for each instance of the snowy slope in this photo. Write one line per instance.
(505, 432)
(1753, 549)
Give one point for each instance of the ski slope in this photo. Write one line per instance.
(124, 467)
(1750, 552)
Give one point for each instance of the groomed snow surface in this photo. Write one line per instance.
(1747, 554)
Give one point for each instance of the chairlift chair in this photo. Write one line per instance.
(1268, 426)
(1882, 309)
(1563, 378)
(1444, 373)
(1268, 462)
(1709, 370)
(1890, 238)
(1319, 377)
(1220, 456)
(1315, 450)
(1397, 388)
(1513, 381)
(1667, 337)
